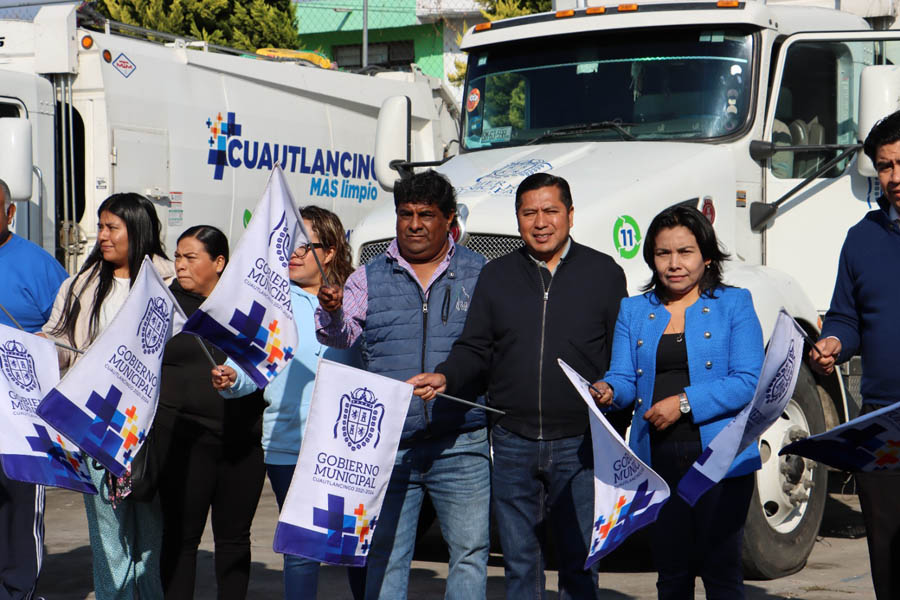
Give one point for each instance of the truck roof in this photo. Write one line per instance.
(603, 16)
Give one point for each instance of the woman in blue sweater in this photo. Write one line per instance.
(686, 356)
(289, 394)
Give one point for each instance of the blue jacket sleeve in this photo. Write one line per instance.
(243, 385)
(842, 318)
(621, 374)
(714, 399)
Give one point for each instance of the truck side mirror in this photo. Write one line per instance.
(15, 168)
(393, 139)
(879, 96)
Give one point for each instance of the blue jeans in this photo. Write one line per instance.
(455, 471)
(540, 484)
(301, 575)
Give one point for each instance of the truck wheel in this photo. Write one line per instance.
(789, 498)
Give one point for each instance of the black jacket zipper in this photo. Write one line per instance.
(546, 291)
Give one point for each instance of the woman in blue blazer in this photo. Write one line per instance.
(686, 356)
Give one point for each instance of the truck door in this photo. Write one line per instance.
(24, 95)
(141, 165)
(814, 102)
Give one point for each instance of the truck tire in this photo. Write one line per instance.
(789, 497)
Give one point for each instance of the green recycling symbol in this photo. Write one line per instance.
(627, 236)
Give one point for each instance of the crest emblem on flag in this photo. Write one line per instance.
(283, 242)
(359, 417)
(154, 325)
(18, 365)
(783, 378)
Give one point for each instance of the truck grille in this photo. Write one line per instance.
(371, 250)
(490, 246)
(493, 246)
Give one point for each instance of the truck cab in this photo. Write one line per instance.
(751, 112)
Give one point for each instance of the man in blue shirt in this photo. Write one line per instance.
(863, 320)
(31, 278)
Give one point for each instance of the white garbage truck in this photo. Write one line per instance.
(751, 112)
(90, 107)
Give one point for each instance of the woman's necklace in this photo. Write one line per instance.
(680, 337)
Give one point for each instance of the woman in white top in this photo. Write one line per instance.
(125, 534)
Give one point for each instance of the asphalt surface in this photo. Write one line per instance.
(837, 568)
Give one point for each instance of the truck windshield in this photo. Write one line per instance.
(693, 83)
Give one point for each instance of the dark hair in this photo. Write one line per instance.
(885, 131)
(703, 231)
(331, 234)
(540, 180)
(143, 228)
(214, 241)
(429, 187)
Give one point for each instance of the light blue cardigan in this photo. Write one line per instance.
(725, 354)
(289, 394)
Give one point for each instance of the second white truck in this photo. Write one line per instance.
(751, 112)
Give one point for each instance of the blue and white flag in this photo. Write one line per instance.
(248, 315)
(627, 493)
(346, 459)
(773, 391)
(105, 404)
(30, 450)
(867, 443)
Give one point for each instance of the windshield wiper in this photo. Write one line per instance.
(584, 128)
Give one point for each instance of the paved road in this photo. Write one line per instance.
(837, 569)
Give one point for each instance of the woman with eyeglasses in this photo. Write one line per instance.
(289, 394)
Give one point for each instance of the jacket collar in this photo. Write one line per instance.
(393, 251)
(177, 289)
(400, 264)
(570, 254)
(883, 217)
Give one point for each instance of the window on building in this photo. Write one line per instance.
(389, 54)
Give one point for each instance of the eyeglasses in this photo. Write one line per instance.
(303, 250)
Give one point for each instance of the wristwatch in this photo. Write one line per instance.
(683, 405)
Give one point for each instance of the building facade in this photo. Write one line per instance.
(400, 32)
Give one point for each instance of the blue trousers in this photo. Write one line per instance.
(125, 542)
(454, 471)
(541, 484)
(301, 575)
